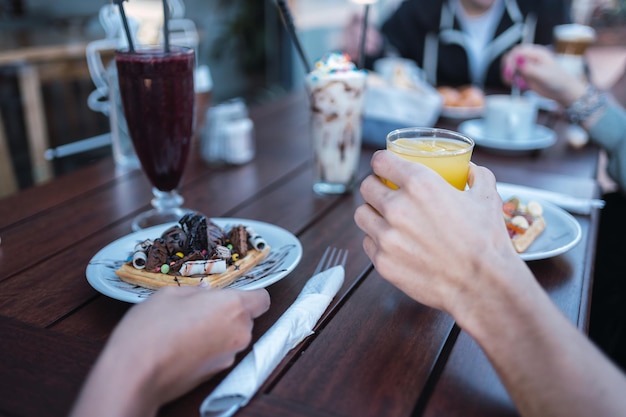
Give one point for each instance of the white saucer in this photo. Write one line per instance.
(542, 138)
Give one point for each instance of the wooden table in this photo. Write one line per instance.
(375, 351)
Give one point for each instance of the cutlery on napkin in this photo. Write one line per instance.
(290, 329)
(575, 205)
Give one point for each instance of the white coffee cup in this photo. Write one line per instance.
(509, 118)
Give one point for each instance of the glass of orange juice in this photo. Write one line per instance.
(444, 151)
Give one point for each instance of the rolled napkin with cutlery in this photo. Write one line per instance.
(576, 205)
(290, 329)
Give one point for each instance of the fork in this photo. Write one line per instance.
(331, 257)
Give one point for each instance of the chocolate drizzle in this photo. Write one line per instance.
(177, 264)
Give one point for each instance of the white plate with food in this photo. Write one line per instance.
(562, 231)
(542, 137)
(284, 256)
(464, 102)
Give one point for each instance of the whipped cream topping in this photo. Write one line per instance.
(333, 63)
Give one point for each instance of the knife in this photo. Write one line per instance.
(575, 205)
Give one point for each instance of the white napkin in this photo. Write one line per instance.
(575, 205)
(290, 329)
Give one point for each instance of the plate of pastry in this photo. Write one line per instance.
(281, 254)
(464, 102)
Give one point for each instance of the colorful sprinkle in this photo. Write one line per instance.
(333, 63)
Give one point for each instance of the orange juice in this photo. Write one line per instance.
(440, 150)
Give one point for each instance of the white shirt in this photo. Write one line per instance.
(479, 31)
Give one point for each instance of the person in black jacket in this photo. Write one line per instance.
(458, 42)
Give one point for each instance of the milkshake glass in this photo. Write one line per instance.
(336, 91)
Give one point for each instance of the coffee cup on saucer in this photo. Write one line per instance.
(508, 117)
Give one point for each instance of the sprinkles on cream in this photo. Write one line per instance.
(333, 64)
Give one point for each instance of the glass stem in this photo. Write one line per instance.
(166, 200)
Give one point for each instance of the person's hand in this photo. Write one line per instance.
(449, 249)
(535, 67)
(190, 334)
(168, 344)
(441, 246)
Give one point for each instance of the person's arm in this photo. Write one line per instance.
(609, 131)
(604, 119)
(546, 364)
(166, 346)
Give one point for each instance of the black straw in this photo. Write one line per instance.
(166, 28)
(361, 63)
(131, 47)
(287, 19)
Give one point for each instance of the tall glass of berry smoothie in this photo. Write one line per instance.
(157, 91)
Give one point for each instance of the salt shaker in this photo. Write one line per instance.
(228, 137)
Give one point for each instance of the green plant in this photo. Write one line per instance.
(244, 34)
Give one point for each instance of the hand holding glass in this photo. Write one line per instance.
(157, 90)
(444, 151)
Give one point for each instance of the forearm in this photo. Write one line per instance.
(116, 389)
(548, 367)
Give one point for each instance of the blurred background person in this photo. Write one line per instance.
(605, 121)
(459, 42)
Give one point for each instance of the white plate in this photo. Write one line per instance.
(284, 256)
(462, 112)
(542, 138)
(562, 230)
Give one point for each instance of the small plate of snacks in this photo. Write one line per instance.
(538, 229)
(465, 102)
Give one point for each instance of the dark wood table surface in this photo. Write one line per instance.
(375, 351)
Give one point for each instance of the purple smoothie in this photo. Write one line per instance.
(158, 98)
